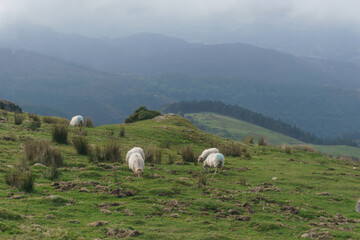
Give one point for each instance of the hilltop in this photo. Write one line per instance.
(266, 192)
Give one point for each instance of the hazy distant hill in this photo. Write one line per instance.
(47, 85)
(51, 86)
(153, 54)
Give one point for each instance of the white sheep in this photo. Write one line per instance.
(206, 153)
(135, 150)
(136, 164)
(215, 160)
(78, 120)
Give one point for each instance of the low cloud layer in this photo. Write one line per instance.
(116, 18)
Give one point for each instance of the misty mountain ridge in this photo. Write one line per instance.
(154, 54)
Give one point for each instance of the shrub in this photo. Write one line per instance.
(34, 117)
(262, 141)
(21, 179)
(60, 134)
(89, 122)
(234, 150)
(53, 173)
(158, 156)
(242, 180)
(34, 125)
(142, 113)
(187, 153)
(41, 151)
(150, 152)
(249, 139)
(19, 118)
(50, 120)
(122, 131)
(81, 145)
(112, 152)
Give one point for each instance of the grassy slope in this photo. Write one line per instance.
(238, 130)
(286, 210)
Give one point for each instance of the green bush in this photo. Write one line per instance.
(150, 153)
(50, 120)
(142, 113)
(34, 125)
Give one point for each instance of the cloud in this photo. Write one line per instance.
(121, 17)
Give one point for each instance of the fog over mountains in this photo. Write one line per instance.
(52, 72)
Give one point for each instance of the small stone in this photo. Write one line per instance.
(233, 212)
(274, 178)
(354, 168)
(306, 235)
(323, 194)
(98, 223)
(74, 221)
(54, 196)
(50, 216)
(39, 164)
(17, 197)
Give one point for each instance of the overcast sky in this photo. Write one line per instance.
(115, 18)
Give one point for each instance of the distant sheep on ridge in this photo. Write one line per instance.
(77, 121)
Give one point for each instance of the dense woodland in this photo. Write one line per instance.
(255, 118)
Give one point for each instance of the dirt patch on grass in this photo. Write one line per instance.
(121, 233)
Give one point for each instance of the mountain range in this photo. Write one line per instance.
(50, 72)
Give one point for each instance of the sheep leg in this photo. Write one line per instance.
(215, 171)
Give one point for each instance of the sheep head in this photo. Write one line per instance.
(200, 159)
(139, 172)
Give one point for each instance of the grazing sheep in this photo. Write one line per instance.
(215, 160)
(77, 121)
(206, 153)
(135, 150)
(136, 164)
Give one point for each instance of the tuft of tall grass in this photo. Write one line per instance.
(187, 153)
(21, 179)
(262, 141)
(89, 122)
(34, 117)
(81, 145)
(49, 120)
(202, 180)
(60, 134)
(40, 151)
(249, 139)
(122, 131)
(158, 155)
(19, 118)
(112, 152)
(34, 125)
(150, 153)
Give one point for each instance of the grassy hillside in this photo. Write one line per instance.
(236, 129)
(267, 195)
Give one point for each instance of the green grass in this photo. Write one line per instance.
(236, 129)
(166, 203)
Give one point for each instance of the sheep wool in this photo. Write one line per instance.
(78, 120)
(135, 150)
(136, 164)
(214, 160)
(206, 153)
